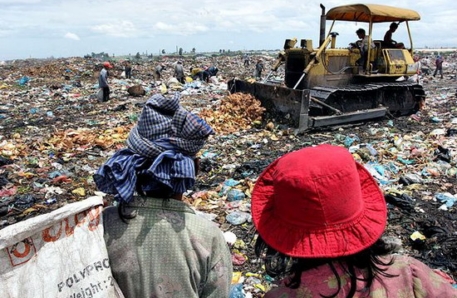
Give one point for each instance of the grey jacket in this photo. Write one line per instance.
(103, 78)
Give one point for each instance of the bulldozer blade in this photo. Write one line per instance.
(292, 106)
(349, 117)
(285, 104)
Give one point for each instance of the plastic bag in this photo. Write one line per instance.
(100, 95)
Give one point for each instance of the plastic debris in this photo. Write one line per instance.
(238, 217)
(230, 237)
(237, 291)
(24, 201)
(402, 201)
(446, 198)
(235, 195)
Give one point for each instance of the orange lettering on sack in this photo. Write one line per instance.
(81, 220)
(94, 217)
(46, 234)
(25, 251)
(21, 252)
(70, 225)
(69, 229)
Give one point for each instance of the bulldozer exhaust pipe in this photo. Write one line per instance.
(322, 31)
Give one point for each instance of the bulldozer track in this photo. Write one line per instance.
(400, 98)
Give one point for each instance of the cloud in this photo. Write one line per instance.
(19, 2)
(70, 35)
(184, 28)
(121, 29)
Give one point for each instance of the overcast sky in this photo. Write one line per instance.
(65, 28)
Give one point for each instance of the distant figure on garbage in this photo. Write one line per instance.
(320, 216)
(128, 69)
(245, 60)
(417, 66)
(388, 42)
(179, 72)
(198, 73)
(439, 66)
(103, 80)
(158, 72)
(211, 72)
(157, 245)
(258, 69)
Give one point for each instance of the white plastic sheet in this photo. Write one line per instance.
(59, 254)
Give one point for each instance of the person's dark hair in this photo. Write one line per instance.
(282, 266)
(360, 31)
(394, 25)
(161, 191)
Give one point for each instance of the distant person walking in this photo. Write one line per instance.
(128, 69)
(246, 60)
(103, 80)
(179, 72)
(439, 66)
(258, 69)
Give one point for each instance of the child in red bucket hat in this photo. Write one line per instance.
(320, 216)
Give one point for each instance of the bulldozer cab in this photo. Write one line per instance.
(383, 58)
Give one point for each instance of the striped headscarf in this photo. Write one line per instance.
(161, 146)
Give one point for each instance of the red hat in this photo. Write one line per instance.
(107, 64)
(318, 202)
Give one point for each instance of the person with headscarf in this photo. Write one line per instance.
(157, 245)
(320, 217)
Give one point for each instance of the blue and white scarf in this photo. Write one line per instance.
(162, 146)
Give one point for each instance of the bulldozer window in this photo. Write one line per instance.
(395, 55)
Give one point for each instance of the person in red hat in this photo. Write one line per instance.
(320, 217)
(103, 80)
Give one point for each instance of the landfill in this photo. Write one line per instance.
(55, 133)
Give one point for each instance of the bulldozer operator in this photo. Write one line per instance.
(362, 45)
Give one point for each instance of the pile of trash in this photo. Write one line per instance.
(55, 134)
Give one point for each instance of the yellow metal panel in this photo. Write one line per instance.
(371, 12)
(396, 63)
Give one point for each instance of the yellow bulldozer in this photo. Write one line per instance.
(330, 85)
